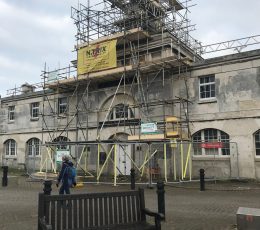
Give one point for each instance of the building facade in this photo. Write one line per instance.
(224, 108)
(139, 95)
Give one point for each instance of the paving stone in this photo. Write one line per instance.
(187, 208)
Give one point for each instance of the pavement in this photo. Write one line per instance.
(186, 207)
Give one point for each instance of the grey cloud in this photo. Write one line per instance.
(229, 19)
(33, 32)
(30, 36)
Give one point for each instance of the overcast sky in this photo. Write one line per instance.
(33, 32)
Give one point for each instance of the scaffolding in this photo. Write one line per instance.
(109, 17)
(154, 47)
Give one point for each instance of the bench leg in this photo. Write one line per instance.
(158, 224)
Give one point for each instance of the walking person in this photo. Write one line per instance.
(63, 176)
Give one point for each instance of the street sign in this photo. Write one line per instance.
(211, 145)
(147, 128)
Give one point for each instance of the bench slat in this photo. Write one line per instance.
(129, 209)
(70, 218)
(136, 226)
(115, 209)
(90, 195)
(137, 210)
(91, 214)
(75, 213)
(86, 213)
(110, 208)
(64, 214)
(134, 214)
(106, 211)
(101, 209)
(59, 215)
(142, 204)
(47, 210)
(120, 220)
(53, 221)
(125, 209)
(96, 212)
(81, 213)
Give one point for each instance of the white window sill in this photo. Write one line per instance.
(37, 156)
(210, 158)
(210, 100)
(11, 122)
(34, 119)
(10, 157)
(257, 158)
(62, 116)
(121, 119)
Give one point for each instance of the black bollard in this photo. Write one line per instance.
(202, 180)
(47, 187)
(132, 179)
(5, 178)
(161, 198)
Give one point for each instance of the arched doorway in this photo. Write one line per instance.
(33, 155)
(124, 154)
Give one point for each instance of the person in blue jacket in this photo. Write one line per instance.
(63, 176)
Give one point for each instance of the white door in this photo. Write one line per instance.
(123, 160)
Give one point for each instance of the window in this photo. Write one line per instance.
(59, 140)
(121, 111)
(62, 105)
(257, 143)
(10, 147)
(33, 147)
(35, 110)
(211, 142)
(11, 113)
(207, 87)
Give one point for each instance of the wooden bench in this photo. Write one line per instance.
(155, 172)
(113, 210)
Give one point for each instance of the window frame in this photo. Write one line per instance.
(117, 110)
(205, 85)
(35, 106)
(257, 134)
(62, 146)
(62, 106)
(11, 113)
(221, 136)
(10, 146)
(33, 149)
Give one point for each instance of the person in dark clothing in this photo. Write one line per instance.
(63, 176)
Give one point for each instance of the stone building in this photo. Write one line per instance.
(224, 96)
(202, 113)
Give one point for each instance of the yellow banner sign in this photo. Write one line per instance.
(97, 57)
